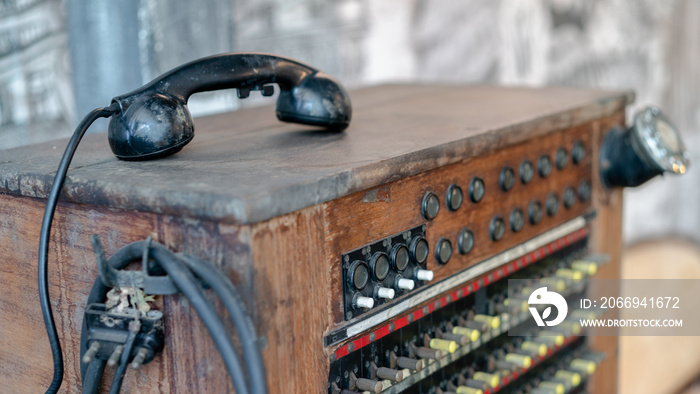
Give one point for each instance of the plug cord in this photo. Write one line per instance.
(51, 203)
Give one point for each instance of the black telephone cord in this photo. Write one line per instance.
(58, 181)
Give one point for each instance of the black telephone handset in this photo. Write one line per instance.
(153, 121)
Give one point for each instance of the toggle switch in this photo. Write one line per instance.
(363, 302)
(475, 325)
(558, 388)
(587, 267)
(449, 336)
(431, 354)
(489, 378)
(573, 378)
(581, 365)
(475, 384)
(373, 386)
(409, 363)
(405, 284)
(539, 349)
(443, 344)
(520, 360)
(385, 293)
(505, 367)
(390, 374)
(492, 321)
(424, 275)
(471, 333)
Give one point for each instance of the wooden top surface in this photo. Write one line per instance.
(246, 166)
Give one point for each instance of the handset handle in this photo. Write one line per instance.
(226, 71)
(154, 120)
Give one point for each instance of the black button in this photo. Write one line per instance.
(443, 251)
(465, 241)
(359, 275)
(517, 221)
(578, 152)
(552, 204)
(561, 158)
(497, 228)
(430, 206)
(379, 264)
(506, 178)
(454, 197)
(399, 257)
(544, 166)
(584, 191)
(419, 250)
(476, 189)
(526, 171)
(569, 197)
(534, 211)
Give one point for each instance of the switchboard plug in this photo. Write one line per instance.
(111, 333)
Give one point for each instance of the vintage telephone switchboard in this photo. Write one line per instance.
(373, 259)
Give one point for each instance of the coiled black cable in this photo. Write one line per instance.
(184, 280)
(44, 299)
(246, 332)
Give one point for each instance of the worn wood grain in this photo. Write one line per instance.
(257, 168)
(606, 238)
(24, 350)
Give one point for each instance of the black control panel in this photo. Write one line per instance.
(466, 338)
(384, 270)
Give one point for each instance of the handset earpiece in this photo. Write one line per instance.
(154, 120)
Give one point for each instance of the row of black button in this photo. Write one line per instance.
(516, 221)
(535, 211)
(506, 179)
(380, 263)
(455, 197)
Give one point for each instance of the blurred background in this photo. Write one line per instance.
(61, 58)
